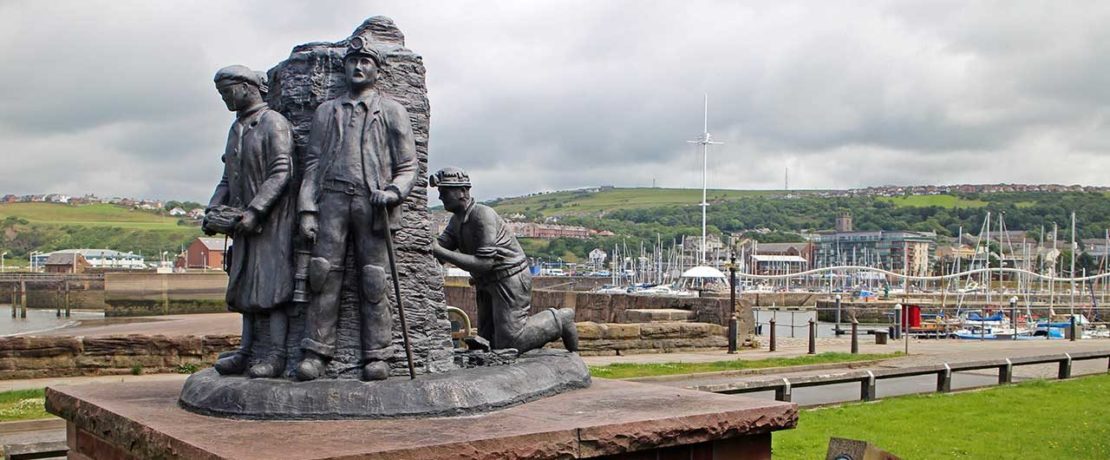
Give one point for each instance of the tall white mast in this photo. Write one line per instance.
(1074, 248)
(705, 141)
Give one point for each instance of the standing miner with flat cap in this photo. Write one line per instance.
(360, 165)
(478, 241)
(253, 204)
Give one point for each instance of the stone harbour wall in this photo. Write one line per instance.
(602, 339)
(145, 294)
(42, 357)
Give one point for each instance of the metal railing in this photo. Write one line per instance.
(867, 379)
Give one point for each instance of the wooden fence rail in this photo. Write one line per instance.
(783, 387)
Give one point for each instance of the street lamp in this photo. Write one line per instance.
(2, 268)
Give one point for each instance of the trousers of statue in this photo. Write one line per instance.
(503, 315)
(347, 217)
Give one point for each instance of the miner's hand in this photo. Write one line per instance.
(204, 227)
(248, 223)
(384, 197)
(309, 226)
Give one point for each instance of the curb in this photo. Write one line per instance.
(759, 371)
(40, 424)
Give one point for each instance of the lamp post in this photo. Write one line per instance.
(837, 297)
(2, 267)
(733, 323)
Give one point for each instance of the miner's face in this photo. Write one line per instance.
(234, 95)
(361, 70)
(454, 198)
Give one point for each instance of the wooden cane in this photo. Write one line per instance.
(397, 290)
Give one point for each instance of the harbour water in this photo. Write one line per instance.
(39, 320)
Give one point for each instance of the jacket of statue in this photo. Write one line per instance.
(388, 151)
(481, 232)
(258, 163)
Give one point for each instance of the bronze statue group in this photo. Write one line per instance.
(360, 164)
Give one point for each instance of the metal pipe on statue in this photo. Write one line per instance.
(397, 291)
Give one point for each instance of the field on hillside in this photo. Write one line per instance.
(93, 215)
(582, 202)
(943, 201)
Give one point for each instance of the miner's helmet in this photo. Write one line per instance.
(360, 45)
(449, 177)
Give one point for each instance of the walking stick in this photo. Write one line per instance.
(397, 290)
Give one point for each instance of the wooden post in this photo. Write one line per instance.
(1006, 373)
(867, 387)
(784, 393)
(772, 333)
(812, 337)
(855, 336)
(22, 298)
(67, 298)
(1065, 367)
(944, 379)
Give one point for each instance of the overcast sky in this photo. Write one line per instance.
(116, 97)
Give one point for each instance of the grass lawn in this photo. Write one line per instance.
(943, 201)
(93, 215)
(630, 370)
(23, 405)
(1037, 419)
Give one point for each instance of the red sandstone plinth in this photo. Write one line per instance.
(611, 419)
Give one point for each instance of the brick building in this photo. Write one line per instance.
(204, 253)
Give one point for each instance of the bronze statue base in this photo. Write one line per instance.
(532, 376)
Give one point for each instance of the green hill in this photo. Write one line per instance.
(93, 215)
(582, 202)
(27, 227)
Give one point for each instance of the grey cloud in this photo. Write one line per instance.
(550, 95)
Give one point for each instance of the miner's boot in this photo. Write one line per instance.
(540, 329)
(236, 362)
(273, 365)
(567, 329)
(233, 363)
(377, 324)
(311, 367)
(320, 321)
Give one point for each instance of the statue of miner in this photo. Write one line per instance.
(253, 203)
(478, 241)
(360, 165)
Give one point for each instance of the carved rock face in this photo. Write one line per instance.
(312, 74)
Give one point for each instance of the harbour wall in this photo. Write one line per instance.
(145, 294)
(29, 357)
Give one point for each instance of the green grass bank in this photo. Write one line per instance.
(1036, 419)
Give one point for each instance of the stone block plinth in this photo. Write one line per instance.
(610, 419)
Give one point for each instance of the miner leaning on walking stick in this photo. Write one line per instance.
(361, 157)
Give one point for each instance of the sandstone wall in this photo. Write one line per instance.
(610, 308)
(142, 294)
(41, 357)
(600, 339)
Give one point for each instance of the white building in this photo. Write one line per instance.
(98, 258)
